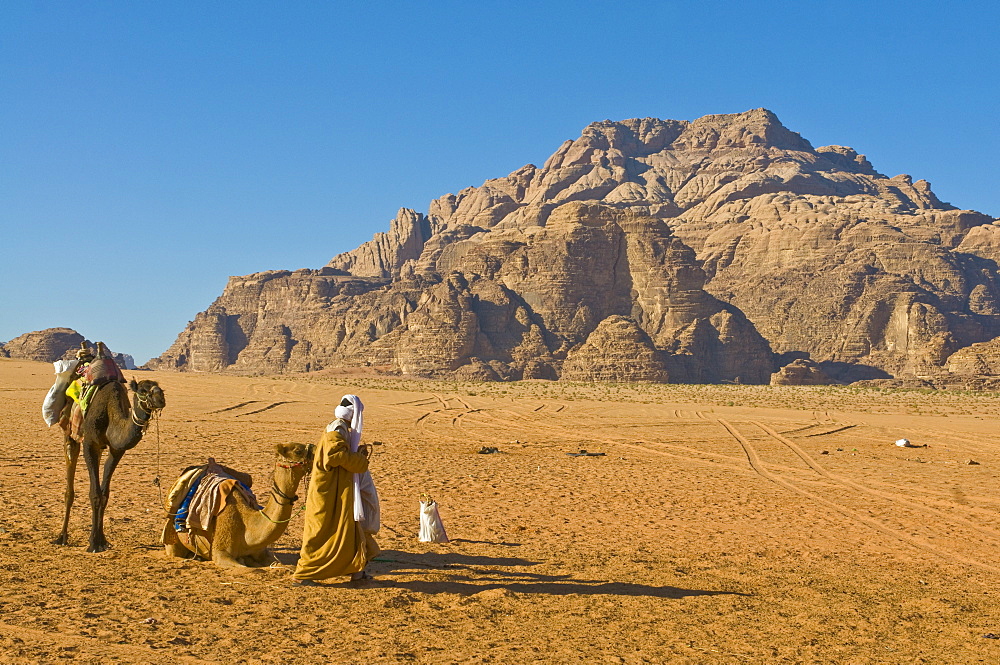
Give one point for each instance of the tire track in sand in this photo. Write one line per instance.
(428, 419)
(233, 407)
(891, 496)
(758, 466)
(266, 408)
(543, 426)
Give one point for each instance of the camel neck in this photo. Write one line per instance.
(140, 417)
(277, 511)
(277, 514)
(123, 431)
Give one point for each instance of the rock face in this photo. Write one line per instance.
(617, 350)
(516, 304)
(44, 345)
(801, 372)
(698, 247)
(54, 344)
(976, 359)
(385, 255)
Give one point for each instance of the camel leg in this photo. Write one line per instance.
(171, 545)
(262, 558)
(72, 450)
(92, 456)
(225, 560)
(98, 541)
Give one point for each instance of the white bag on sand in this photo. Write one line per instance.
(431, 528)
(55, 400)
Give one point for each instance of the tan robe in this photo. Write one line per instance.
(333, 543)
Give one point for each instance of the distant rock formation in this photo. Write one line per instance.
(801, 372)
(617, 350)
(690, 249)
(54, 344)
(976, 359)
(46, 345)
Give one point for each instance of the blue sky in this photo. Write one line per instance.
(148, 151)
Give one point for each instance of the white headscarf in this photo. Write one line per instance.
(352, 413)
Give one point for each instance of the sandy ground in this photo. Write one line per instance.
(723, 524)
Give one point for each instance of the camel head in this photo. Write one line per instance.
(149, 394)
(295, 454)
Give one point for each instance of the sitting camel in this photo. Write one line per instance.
(241, 532)
(108, 423)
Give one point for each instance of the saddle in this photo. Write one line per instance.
(90, 372)
(100, 371)
(185, 486)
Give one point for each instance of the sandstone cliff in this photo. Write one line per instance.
(976, 359)
(801, 372)
(696, 246)
(54, 344)
(44, 345)
(509, 305)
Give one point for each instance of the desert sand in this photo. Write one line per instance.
(722, 524)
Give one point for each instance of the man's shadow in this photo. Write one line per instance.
(472, 574)
(392, 560)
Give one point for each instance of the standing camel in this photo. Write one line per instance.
(109, 423)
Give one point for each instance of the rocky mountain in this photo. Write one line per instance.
(594, 285)
(54, 344)
(643, 250)
(44, 345)
(801, 372)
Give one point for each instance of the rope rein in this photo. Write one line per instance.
(143, 400)
(261, 511)
(156, 480)
(275, 493)
(150, 411)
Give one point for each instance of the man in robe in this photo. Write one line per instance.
(335, 540)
